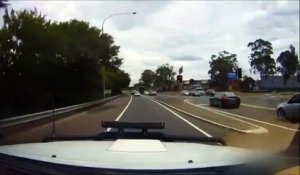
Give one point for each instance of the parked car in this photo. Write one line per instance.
(224, 100)
(184, 92)
(152, 92)
(210, 92)
(290, 109)
(146, 92)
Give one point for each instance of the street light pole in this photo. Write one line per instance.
(102, 32)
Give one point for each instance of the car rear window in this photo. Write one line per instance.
(229, 94)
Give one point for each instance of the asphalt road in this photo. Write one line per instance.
(261, 113)
(144, 109)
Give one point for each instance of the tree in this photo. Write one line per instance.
(116, 80)
(260, 57)
(220, 65)
(247, 84)
(164, 76)
(288, 61)
(40, 59)
(148, 77)
(3, 4)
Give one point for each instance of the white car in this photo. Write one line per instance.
(153, 92)
(146, 93)
(290, 109)
(137, 93)
(200, 91)
(118, 152)
(185, 92)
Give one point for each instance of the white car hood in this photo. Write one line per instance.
(131, 154)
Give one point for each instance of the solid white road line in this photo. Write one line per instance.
(203, 104)
(121, 114)
(271, 124)
(260, 107)
(191, 124)
(259, 129)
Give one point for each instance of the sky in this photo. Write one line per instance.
(182, 33)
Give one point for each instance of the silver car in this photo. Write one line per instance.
(290, 109)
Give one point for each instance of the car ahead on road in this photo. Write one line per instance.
(290, 109)
(200, 91)
(133, 92)
(225, 100)
(153, 92)
(194, 93)
(210, 92)
(184, 92)
(146, 93)
(137, 93)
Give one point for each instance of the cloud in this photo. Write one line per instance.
(186, 58)
(183, 33)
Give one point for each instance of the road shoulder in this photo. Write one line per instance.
(83, 123)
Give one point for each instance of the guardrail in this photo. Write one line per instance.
(49, 113)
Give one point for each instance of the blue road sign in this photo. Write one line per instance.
(231, 75)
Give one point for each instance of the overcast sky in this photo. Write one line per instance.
(182, 33)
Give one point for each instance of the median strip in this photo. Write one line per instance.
(228, 122)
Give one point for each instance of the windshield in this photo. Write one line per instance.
(66, 66)
(229, 94)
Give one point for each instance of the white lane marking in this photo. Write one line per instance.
(260, 107)
(255, 131)
(191, 124)
(258, 130)
(279, 126)
(121, 114)
(178, 96)
(203, 104)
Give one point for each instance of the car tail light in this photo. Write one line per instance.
(224, 98)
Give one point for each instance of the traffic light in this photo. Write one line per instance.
(238, 72)
(179, 78)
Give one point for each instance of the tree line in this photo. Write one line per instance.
(261, 61)
(162, 77)
(43, 61)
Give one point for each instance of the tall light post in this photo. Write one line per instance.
(102, 32)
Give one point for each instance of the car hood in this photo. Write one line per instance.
(281, 105)
(139, 154)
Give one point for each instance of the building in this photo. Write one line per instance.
(277, 83)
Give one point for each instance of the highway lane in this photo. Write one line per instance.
(278, 138)
(260, 108)
(255, 112)
(144, 109)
